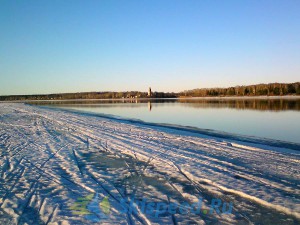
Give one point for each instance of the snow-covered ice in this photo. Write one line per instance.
(61, 167)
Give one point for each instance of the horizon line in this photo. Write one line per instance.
(175, 92)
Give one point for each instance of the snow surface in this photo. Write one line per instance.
(52, 159)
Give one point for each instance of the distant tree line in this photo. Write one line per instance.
(272, 89)
(88, 95)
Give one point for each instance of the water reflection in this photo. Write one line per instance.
(149, 105)
(241, 104)
(269, 118)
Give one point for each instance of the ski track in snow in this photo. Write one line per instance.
(50, 158)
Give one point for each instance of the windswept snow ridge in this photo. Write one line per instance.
(59, 167)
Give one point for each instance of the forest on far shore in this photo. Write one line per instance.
(272, 89)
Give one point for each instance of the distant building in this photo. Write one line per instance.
(149, 92)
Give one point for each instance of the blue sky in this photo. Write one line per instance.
(73, 46)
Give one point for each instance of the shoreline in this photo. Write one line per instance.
(178, 98)
(207, 132)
